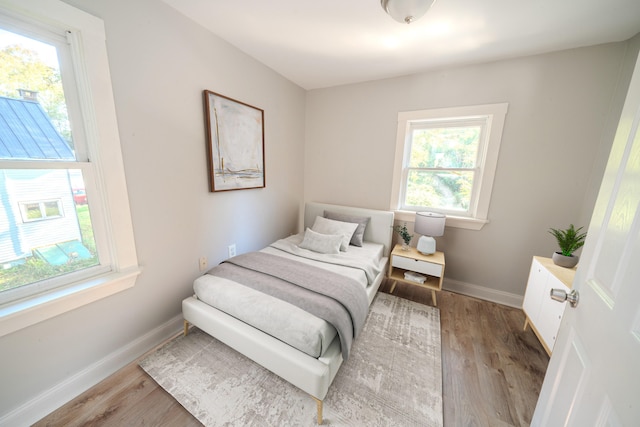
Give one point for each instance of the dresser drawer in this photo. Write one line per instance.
(418, 266)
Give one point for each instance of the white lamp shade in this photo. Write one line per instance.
(406, 11)
(429, 224)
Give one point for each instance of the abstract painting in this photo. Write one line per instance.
(235, 145)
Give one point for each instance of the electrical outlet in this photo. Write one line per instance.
(203, 263)
(232, 250)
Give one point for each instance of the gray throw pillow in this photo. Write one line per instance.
(362, 221)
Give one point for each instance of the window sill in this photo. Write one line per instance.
(23, 313)
(452, 221)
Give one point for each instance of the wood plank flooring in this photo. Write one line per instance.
(492, 374)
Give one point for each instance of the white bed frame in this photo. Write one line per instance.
(311, 375)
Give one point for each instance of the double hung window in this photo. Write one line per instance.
(446, 160)
(43, 156)
(61, 246)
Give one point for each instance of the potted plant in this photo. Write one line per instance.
(569, 240)
(404, 234)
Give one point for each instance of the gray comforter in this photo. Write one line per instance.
(334, 298)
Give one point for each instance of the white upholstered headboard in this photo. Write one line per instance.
(379, 229)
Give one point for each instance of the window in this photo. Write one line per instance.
(35, 111)
(445, 162)
(60, 246)
(46, 209)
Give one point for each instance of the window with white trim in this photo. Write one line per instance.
(446, 161)
(44, 209)
(60, 155)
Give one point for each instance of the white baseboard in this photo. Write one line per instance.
(53, 398)
(487, 294)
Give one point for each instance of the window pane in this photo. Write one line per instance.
(445, 147)
(51, 209)
(33, 210)
(58, 242)
(32, 102)
(447, 190)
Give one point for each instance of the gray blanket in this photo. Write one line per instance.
(336, 299)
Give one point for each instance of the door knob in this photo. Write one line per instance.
(562, 296)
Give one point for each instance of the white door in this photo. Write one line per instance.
(593, 378)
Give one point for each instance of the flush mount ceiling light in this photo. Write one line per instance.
(406, 11)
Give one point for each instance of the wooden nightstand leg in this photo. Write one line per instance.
(433, 297)
(393, 286)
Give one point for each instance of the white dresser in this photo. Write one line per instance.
(541, 312)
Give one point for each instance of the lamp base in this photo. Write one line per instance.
(426, 245)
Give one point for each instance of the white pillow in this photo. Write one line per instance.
(323, 243)
(329, 226)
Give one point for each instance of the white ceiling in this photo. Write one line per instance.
(326, 43)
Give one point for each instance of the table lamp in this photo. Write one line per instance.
(430, 225)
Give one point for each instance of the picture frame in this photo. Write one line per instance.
(235, 143)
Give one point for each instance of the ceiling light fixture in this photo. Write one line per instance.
(406, 11)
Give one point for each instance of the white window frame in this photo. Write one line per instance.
(494, 116)
(102, 166)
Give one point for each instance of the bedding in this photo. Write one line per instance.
(287, 323)
(337, 299)
(312, 331)
(360, 263)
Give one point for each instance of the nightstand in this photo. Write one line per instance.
(430, 266)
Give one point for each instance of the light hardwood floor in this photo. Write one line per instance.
(492, 370)
(492, 374)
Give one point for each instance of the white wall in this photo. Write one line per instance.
(563, 108)
(160, 64)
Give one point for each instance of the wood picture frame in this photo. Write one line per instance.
(235, 143)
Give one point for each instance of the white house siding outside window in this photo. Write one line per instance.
(57, 234)
(445, 162)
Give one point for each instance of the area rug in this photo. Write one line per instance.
(393, 376)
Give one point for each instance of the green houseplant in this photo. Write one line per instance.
(403, 232)
(569, 240)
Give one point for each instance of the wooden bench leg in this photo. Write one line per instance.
(186, 328)
(319, 404)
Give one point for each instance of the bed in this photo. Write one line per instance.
(310, 369)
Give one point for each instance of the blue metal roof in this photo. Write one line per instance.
(26, 132)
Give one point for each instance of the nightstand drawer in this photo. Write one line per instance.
(418, 266)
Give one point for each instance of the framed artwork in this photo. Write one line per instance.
(235, 146)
